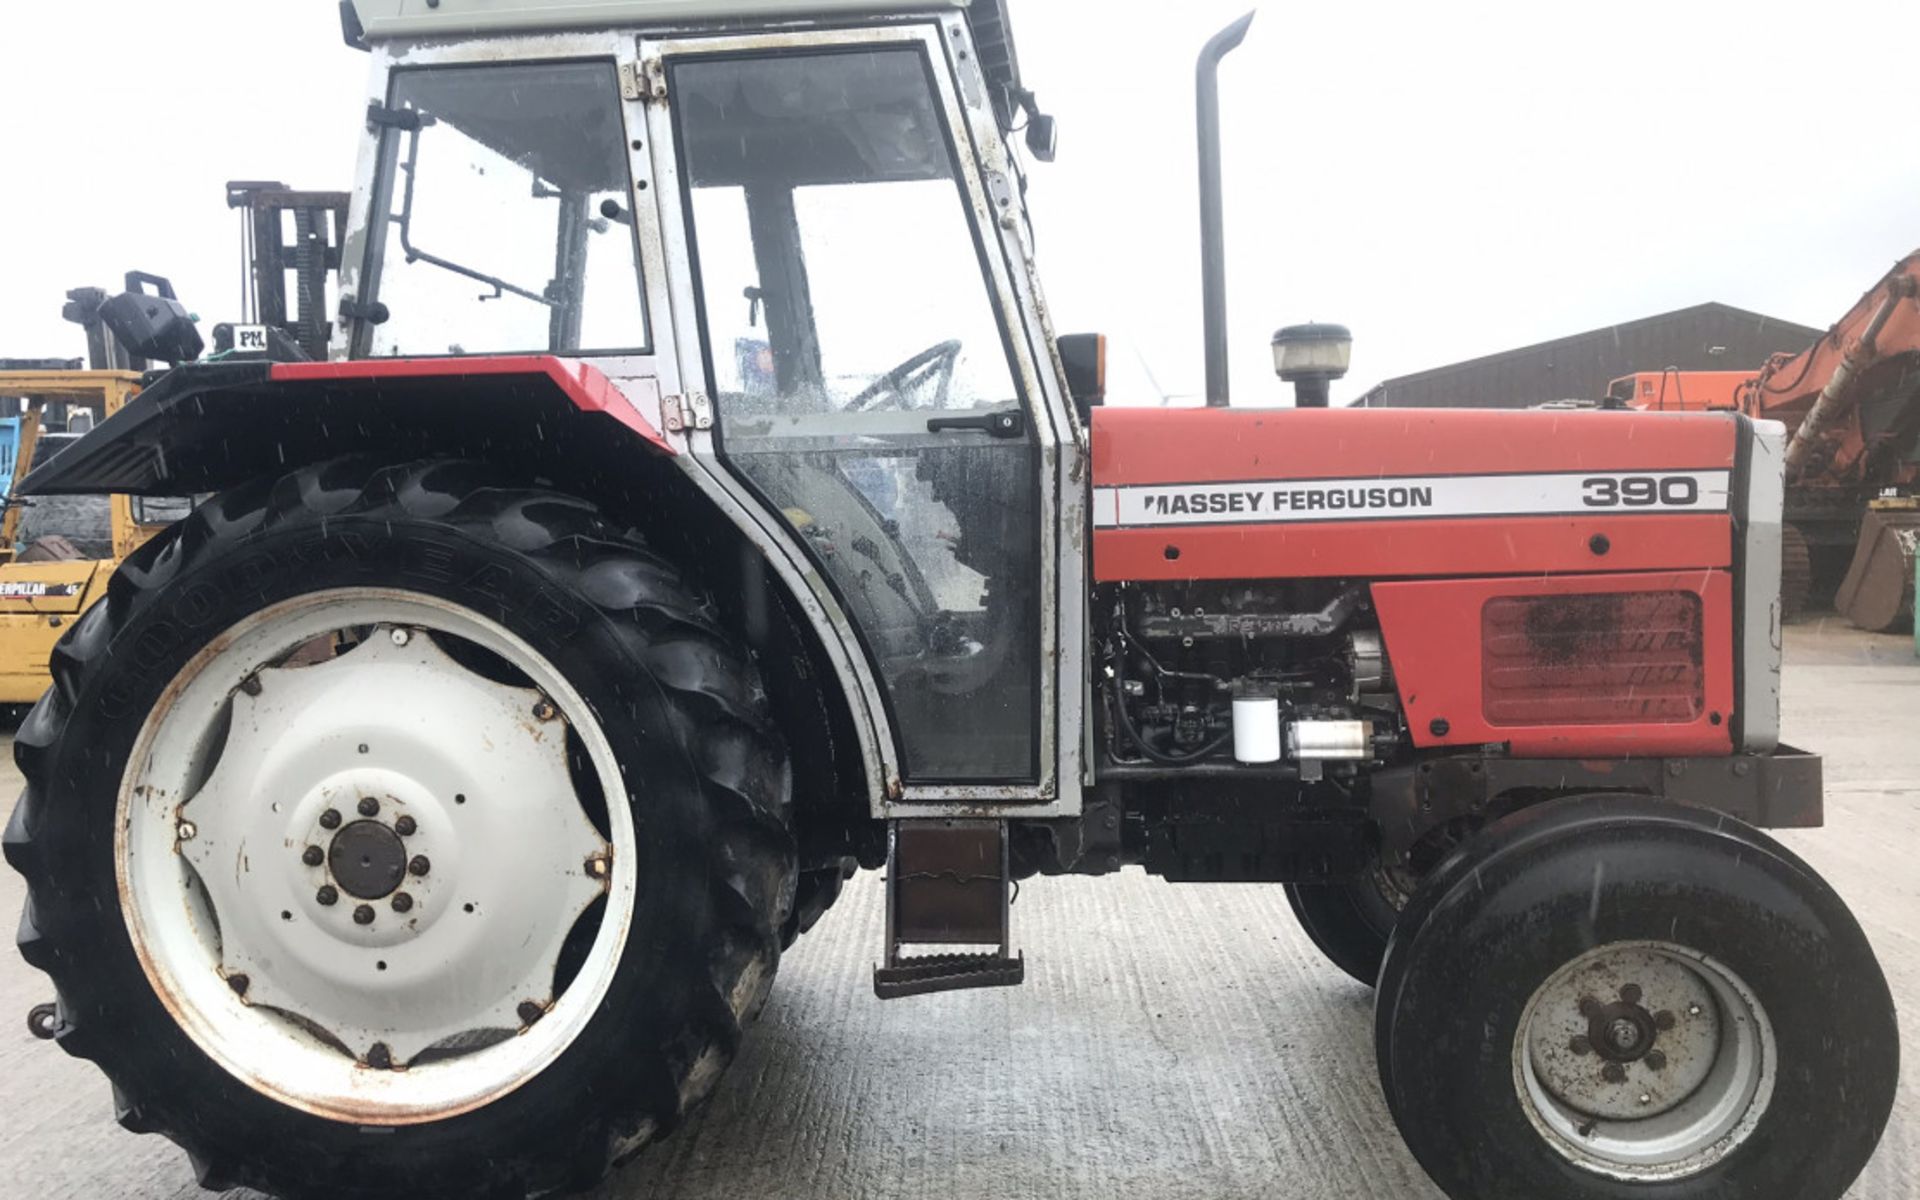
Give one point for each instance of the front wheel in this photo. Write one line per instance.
(1607, 998)
(1350, 921)
(388, 800)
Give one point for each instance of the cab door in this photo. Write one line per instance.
(873, 387)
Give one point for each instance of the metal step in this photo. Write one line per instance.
(946, 973)
(947, 885)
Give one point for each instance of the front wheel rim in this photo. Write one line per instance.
(1644, 1061)
(375, 856)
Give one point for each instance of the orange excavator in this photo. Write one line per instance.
(1851, 403)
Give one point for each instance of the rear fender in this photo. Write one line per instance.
(213, 426)
(209, 426)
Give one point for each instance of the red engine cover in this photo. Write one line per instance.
(1384, 493)
(1564, 577)
(1565, 665)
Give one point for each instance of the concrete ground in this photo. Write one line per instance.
(1170, 1041)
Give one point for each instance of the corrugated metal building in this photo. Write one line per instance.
(1706, 337)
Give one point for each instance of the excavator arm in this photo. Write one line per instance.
(1853, 398)
(1853, 403)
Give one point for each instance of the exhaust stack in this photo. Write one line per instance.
(1213, 248)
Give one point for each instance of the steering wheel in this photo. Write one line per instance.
(935, 362)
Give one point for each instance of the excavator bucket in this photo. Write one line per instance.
(1878, 591)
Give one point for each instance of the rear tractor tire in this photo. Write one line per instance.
(393, 800)
(1615, 998)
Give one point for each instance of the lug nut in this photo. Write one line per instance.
(1630, 994)
(313, 856)
(1580, 1045)
(1663, 1020)
(1613, 1073)
(330, 819)
(327, 895)
(363, 914)
(369, 806)
(404, 827)
(419, 865)
(530, 1012)
(544, 710)
(1655, 1060)
(379, 1057)
(402, 902)
(239, 984)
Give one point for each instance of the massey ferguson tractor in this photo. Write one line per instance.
(696, 506)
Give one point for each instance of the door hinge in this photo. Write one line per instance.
(644, 81)
(685, 413)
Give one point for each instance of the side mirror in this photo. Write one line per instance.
(1043, 136)
(1083, 357)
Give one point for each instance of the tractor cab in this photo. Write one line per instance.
(799, 239)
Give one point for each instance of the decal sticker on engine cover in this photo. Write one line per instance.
(1288, 500)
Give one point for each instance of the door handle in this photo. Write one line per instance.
(1009, 424)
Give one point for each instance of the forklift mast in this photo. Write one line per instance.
(309, 252)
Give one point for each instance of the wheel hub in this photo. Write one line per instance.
(361, 862)
(1638, 1058)
(368, 860)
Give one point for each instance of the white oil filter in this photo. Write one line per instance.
(1256, 729)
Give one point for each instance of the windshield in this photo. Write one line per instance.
(509, 223)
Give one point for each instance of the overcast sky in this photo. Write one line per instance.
(1448, 179)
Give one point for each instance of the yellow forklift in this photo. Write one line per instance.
(56, 557)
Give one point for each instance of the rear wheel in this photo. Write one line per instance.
(390, 800)
(1608, 998)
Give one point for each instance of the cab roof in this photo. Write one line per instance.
(366, 21)
(382, 19)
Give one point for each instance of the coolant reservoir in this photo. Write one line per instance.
(1256, 729)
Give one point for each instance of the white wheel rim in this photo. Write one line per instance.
(437, 1004)
(1644, 1061)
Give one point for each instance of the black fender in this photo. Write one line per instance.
(207, 427)
(204, 427)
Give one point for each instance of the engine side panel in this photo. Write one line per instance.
(1554, 666)
(1186, 494)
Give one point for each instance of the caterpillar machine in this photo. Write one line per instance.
(1851, 402)
(427, 813)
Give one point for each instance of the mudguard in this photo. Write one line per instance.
(208, 426)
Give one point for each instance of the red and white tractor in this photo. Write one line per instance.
(695, 506)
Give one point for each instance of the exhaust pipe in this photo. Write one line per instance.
(1213, 238)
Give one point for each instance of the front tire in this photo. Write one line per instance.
(1614, 998)
(1350, 921)
(521, 614)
